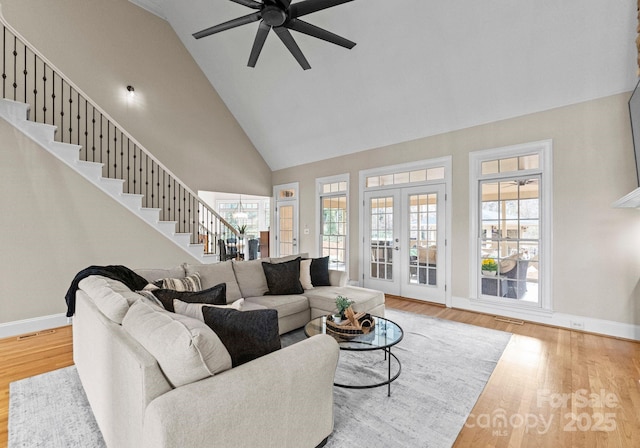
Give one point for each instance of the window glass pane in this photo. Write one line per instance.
(418, 176)
(342, 186)
(529, 162)
(435, 173)
(373, 181)
(401, 178)
(326, 188)
(507, 165)
(386, 179)
(286, 194)
(490, 167)
(509, 235)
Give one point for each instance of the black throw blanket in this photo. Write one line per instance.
(115, 272)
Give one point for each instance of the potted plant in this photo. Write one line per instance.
(489, 267)
(342, 303)
(242, 229)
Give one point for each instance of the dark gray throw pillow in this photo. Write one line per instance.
(216, 295)
(320, 271)
(247, 335)
(283, 278)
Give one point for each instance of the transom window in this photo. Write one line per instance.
(406, 177)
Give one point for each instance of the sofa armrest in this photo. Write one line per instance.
(337, 278)
(281, 400)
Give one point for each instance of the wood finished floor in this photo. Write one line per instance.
(530, 391)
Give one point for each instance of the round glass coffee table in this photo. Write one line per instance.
(384, 335)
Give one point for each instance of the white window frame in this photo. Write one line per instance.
(544, 150)
(320, 182)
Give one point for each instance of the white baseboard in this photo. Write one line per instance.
(569, 321)
(33, 325)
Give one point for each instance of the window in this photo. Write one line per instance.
(334, 223)
(511, 224)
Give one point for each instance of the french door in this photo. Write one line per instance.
(405, 242)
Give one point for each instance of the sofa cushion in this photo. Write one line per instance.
(195, 309)
(250, 277)
(324, 298)
(305, 274)
(214, 274)
(186, 349)
(283, 278)
(320, 271)
(191, 282)
(156, 274)
(112, 297)
(246, 334)
(214, 296)
(285, 304)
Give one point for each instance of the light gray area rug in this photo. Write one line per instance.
(51, 411)
(445, 366)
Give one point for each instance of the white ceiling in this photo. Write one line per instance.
(420, 68)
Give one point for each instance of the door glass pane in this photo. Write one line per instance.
(509, 238)
(423, 238)
(381, 238)
(285, 237)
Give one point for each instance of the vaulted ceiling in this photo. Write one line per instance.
(420, 68)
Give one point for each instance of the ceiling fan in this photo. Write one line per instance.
(282, 16)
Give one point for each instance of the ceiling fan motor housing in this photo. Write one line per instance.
(273, 16)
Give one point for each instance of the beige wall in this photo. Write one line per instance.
(105, 45)
(596, 248)
(54, 224)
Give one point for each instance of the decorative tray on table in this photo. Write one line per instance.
(355, 324)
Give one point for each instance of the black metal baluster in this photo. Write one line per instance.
(93, 135)
(15, 68)
(35, 88)
(25, 74)
(115, 152)
(78, 117)
(86, 130)
(122, 156)
(108, 151)
(61, 127)
(4, 61)
(153, 185)
(134, 169)
(140, 164)
(53, 97)
(44, 93)
(70, 100)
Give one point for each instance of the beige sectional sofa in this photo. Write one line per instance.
(246, 279)
(158, 379)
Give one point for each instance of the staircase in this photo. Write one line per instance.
(43, 134)
(52, 111)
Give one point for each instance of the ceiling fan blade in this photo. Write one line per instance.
(284, 3)
(249, 3)
(253, 17)
(287, 39)
(258, 43)
(320, 33)
(309, 6)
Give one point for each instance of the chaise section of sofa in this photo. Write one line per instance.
(282, 399)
